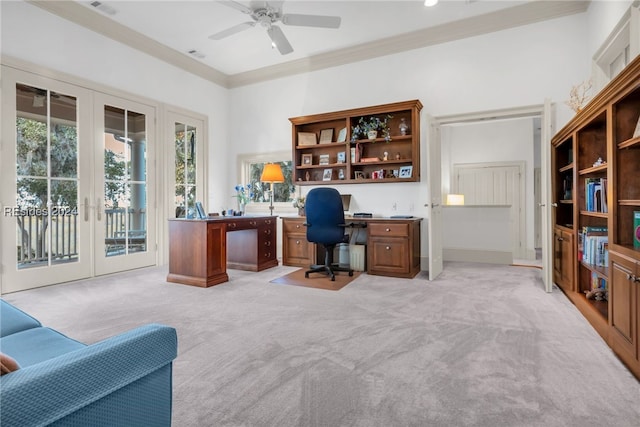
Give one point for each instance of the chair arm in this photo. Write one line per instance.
(48, 391)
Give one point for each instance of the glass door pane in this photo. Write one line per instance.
(185, 163)
(46, 209)
(125, 186)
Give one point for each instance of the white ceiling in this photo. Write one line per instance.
(170, 29)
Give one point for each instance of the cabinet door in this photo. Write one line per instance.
(296, 250)
(622, 299)
(563, 259)
(388, 256)
(216, 253)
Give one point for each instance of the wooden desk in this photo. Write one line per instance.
(393, 245)
(201, 250)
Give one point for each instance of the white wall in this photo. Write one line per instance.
(34, 35)
(505, 69)
(602, 17)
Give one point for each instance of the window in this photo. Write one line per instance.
(251, 168)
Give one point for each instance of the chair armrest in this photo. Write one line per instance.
(45, 392)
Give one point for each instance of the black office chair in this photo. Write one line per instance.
(326, 226)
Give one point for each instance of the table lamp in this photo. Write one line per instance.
(271, 173)
(455, 199)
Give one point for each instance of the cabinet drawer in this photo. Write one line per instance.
(294, 227)
(388, 256)
(387, 229)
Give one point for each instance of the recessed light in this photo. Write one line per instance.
(430, 3)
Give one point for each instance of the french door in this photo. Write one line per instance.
(124, 194)
(76, 192)
(46, 175)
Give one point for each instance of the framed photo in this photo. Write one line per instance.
(307, 159)
(200, 211)
(359, 174)
(342, 135)
(307, 138)
(327, 175)
(324, 159)
(341, 174)
(326, 136)
(406, 171)
(341, 157)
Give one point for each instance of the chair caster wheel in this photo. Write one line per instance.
(350, 273)
(333, 278)
(306, 275)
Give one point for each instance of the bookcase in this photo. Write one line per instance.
(325, 150)
(596, 192)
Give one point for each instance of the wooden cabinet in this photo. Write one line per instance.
(251, 243)
(393, 248)
(197, 252)
(596, 191)
(325, 150)
(393, 245)
(563, 258)
(624, 294)
(296, 250)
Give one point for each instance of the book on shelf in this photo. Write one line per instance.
(593, 246)
(596, 194)
(636, 229)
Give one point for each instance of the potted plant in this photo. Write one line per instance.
(299, 203)
(370, 127)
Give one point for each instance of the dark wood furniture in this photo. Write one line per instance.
(200, 251)
(359, 161)
(393, 245)
(606, 128)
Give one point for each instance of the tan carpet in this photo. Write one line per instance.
(316, 280)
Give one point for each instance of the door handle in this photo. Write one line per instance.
(542, 205)
(555, 205)
(99, 209)
(86, 209)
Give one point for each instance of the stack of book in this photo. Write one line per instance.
(596, 194)
(594, 243)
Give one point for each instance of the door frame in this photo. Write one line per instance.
(546, 112)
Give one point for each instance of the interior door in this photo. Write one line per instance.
(435, 199)
(46, 175)
(546, 132)
(124, 201)
(495, 184)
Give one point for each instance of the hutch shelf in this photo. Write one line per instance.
(325, 150)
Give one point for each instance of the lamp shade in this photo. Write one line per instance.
(455, 199)
(272, 173)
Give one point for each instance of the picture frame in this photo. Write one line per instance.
(200, 211)
(307, 159)
(359, 174)
(341, 174)
(324, 159)
(326, 136)
(342, 135)
(307, 138)
(342, 157)
(327, 174)
(405, 172)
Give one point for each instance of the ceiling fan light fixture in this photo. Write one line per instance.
(430, 3)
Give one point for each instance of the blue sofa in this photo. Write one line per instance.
(121, 381)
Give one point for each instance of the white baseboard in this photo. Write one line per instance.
(477, 255)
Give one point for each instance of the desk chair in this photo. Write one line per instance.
(326, 226)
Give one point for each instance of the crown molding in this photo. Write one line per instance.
(512, 17)
(78, 14)
(469, 27)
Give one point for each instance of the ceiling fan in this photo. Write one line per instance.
(267, 14)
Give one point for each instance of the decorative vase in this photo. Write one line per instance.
(300, 211)
(403, 126)
(372, 134)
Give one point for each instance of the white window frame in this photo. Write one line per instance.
(244, 172)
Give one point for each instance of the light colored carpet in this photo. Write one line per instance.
(484, 345)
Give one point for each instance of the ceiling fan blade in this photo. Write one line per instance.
(278, 38)
(237, 6)
(311, 20)
(231, 31)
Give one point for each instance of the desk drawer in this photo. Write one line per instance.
(294, 226)
(387, 229)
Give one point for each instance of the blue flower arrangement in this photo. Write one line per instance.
(243, 193)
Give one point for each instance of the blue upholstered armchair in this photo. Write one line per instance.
(326, 226)
(121, 381)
